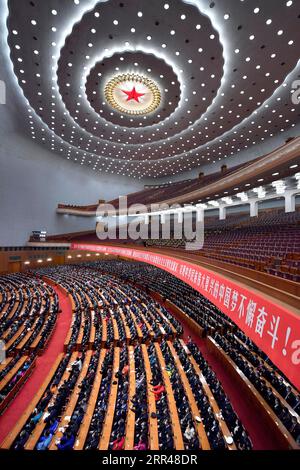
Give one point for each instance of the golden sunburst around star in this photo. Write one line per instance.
(116, 97)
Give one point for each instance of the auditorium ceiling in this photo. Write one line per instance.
(153, 88)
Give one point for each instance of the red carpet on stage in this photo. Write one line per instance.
(43, 366)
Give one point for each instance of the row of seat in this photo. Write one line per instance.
(255, 371)
(106, 310)
(266, 243)
(28, 314)
(149, 393)
(283, 396)
(183, 296)
(144, 387)
(95, 402)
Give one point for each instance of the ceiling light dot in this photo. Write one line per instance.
(54, 12)
(183, 17)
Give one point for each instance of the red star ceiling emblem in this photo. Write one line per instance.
(133, 95)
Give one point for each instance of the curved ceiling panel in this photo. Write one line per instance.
(210, 78)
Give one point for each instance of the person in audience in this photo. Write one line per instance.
(141, 445)
(36, 416)
(118, 443)
(44, 441)
(158, 390)
(53, 425)
(22, 439)
(67, 441)
(77, 363)
(189, 433)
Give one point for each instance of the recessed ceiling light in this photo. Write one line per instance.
(54, 12)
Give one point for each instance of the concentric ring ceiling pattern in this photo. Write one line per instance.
(224, 71)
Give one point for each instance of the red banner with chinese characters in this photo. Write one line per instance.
(273, 328)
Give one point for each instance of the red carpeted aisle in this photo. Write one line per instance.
(43, 366)
(250, 418)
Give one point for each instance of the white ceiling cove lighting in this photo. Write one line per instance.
(243, 196)
(260, 191)
(279, 186)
